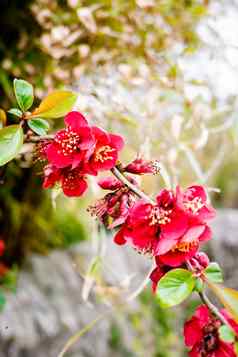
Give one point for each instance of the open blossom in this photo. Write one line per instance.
(147, 223)
(72, 181)
(105, 152)
(173, 228)
(69, 146)
(113, 208)
(202, 336)
(194, 201)
(77, 151)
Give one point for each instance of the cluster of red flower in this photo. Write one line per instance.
(76, 151)
(171, 229)
(201, 334)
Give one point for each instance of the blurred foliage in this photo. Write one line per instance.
(153, 331)
(54, 42)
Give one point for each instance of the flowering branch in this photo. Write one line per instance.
(170, 229)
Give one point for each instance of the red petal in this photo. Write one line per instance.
(192, 332)
(177, 258)
(116, 141)
(225, 349)
(56, 157)
(193, 234)
(177, 226)
(119, 237)
(87, 140)
(206, 235)
(75, 120)
(165, 244)
(196, 191)
(73, 187)
(101, 135)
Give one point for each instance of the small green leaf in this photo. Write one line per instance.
(24, 94)
(55, 105)
(11, 140)
(199, 285)
(174, 287)
(226, 334)
(15, 111)
(213, 273)
(38, 125)
(2, 301)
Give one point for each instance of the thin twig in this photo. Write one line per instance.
(117, 173)
(207, 301)
(36, 139)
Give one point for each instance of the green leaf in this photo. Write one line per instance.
(11, 140)
(24, 94)
(213, 273)
(15, 111)
(55, 105)
(226, 334)
(199, 285)
(174, 287)
(2, 301)
(38, 125)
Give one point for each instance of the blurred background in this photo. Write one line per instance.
(163, 73)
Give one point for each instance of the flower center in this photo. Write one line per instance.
(159, 215)
(68, 141)
(102, 154)
(194, 205)
(210, 340)
(184, 247)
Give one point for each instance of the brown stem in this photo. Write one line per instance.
(36, 139)
(207, 301)
(120, 176)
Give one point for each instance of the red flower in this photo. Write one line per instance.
(160, 270)
(140, 167)
(113, 209)
(202, 336)
(105, 153)
(69, 145)
(194, 201)
(194, 204)
(147, 224)
(72, 182)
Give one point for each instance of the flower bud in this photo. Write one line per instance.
(202, 259)
(110, 183)
(141, 167)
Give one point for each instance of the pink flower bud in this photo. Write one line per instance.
(140, 167)
(202, 259)
(110, 183)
